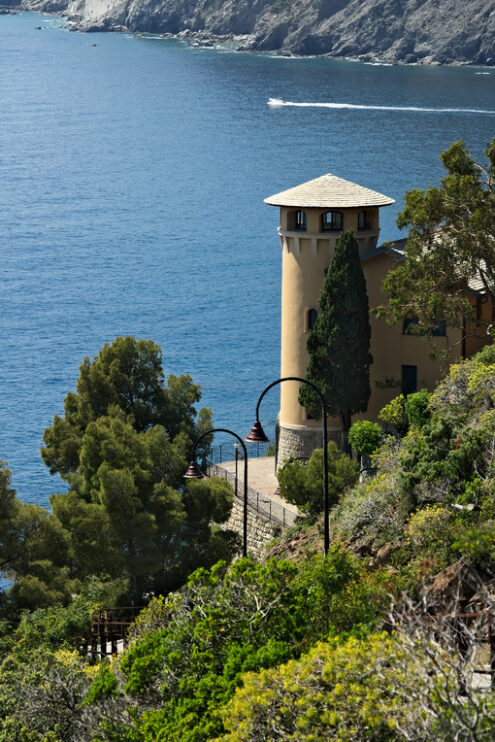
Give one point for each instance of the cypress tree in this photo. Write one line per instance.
(339, 343)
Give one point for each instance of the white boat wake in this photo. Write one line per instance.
(278, 103)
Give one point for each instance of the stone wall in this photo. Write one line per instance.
(299, 443)
(260, 531)
(296, 444)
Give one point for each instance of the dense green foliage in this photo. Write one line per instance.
(365, 437)
(225, 624)
(301, 482)
(434, 495)
(394, 416)
(376, 689)
(9, 514)
(277, 650)
(43, 678)
(339, 343)
(417, 407)
(433, 282)
(190, 651)
(32, 552)
(122, 447)
(402, 412)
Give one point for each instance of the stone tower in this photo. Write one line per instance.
(312, 217)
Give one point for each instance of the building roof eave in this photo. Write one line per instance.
(327, 192)
(391, 249)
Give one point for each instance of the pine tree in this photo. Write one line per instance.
(339, 343)
(123, 446)
(451, 240)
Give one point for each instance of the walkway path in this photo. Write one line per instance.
(261, 477)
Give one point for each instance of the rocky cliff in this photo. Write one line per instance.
(406, 31)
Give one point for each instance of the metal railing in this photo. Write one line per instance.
(258, 503)
(109, 631)
(226, 452)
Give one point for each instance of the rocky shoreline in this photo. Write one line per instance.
(379, 31)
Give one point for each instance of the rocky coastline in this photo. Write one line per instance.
(379, 31)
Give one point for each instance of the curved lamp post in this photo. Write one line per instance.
(194, 472)
(257, 435)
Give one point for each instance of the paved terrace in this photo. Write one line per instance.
(261, 477)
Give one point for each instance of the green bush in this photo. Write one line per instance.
(442, 461)
(379, 689)
(486, 356)
(375, 511)
(63, 626)
(365, 437)
(301, 482)
(444, 534)
(394, 415)
(189, 652)
(417, 408)
(42, 696)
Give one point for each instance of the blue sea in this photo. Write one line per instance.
(133, 175)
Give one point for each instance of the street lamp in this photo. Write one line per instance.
(257, 435)
(194, 472)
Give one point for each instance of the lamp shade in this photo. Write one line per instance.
(193, 472)
(257, 434)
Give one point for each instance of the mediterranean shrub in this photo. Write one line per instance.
(301, 482)
(375, 511)
(417, 408)
(378, 689)
(394, 415)
(190, 651)
(365, 437)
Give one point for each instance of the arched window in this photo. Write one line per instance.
(300, 220)
(362, 222)
(311, 317)
(332, 221)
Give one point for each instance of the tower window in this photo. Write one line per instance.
(332, 221)
(300, 220)
(362, 221)
(311, 317)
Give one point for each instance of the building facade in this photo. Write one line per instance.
(312, 218)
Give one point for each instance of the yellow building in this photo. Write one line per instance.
(312, 218)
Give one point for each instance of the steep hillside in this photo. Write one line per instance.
(406, 31)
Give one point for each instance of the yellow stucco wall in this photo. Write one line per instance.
(477, 336)
(305, 256)
(391, 349)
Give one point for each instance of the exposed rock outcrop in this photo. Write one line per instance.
(405, 31)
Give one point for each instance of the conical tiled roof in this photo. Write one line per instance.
(329, 191)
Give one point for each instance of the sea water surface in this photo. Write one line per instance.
(133, 175)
